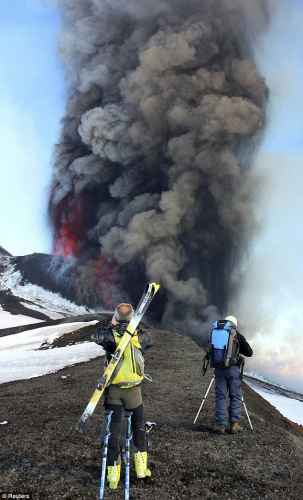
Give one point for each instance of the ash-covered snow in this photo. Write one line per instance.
(8, 320)
(21, 353)
(287, 401)
(22, 359)
(49, 303)
(290, 408)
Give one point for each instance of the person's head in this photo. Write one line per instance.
(123, 313)
(232, 319)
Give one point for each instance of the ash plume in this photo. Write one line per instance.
(152, 174)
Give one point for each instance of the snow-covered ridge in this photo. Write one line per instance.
(21, 358)
(259, 381)
(49, 303)
(21, 354)
(7, 320)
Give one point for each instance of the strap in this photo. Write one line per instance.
(205, 364)
(241, 365)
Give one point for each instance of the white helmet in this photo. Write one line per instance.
(232, 319)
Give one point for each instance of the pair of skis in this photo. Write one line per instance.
(149, 293)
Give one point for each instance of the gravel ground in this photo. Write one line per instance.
(43, 457)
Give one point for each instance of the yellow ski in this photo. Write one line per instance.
(149, 292)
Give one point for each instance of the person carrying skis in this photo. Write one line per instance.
(124, 391)
(228, 376)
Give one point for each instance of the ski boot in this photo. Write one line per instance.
(113, 476)
(141, 464)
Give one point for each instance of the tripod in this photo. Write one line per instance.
(204, 399)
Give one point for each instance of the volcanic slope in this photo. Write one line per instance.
(43, 456)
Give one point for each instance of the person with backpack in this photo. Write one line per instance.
(226, 351)
(124, 391)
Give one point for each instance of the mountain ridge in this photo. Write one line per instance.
(44, 455)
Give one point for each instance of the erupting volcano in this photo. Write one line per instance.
(71, 218)
(152, 174)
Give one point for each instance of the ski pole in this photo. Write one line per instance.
(148, 427)
(203, 400)
(149, 292)
(242, 360)
(105, 448)
(247, 414)
(127, 453)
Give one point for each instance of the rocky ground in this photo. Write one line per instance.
(42, 455)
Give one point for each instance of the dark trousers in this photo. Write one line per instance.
(137, 424)
(130, 399)
(228, 381)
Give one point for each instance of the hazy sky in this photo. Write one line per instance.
(32, 102)
(270, 298)
(31, 105)
(32, 90)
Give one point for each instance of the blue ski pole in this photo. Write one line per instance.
(105, 448)
(128, 415)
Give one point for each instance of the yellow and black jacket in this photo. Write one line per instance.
(130, 369)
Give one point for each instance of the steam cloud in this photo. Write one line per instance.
(152, 174)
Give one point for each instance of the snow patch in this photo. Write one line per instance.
(33, 339)
(8, 320)
(22, 365)
(290, 408)
(21, 359)
(49, 303)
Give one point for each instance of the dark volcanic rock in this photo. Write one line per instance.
(44, 456)
(51, 272)
(16, 305)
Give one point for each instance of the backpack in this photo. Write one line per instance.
(223, 348)
(130, 368)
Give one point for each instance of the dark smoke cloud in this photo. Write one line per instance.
(151, 176)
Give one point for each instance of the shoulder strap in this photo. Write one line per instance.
(205, 364)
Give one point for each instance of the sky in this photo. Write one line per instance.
(269, 302)
(32, 101)
(33, 92)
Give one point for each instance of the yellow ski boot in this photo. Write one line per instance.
(141, 465)
(113, 476)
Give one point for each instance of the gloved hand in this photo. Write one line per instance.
(120, 328)
(97, 337)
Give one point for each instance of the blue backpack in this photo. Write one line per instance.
(223, 348)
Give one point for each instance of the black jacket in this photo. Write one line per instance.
(106, 339)
(245, 348)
